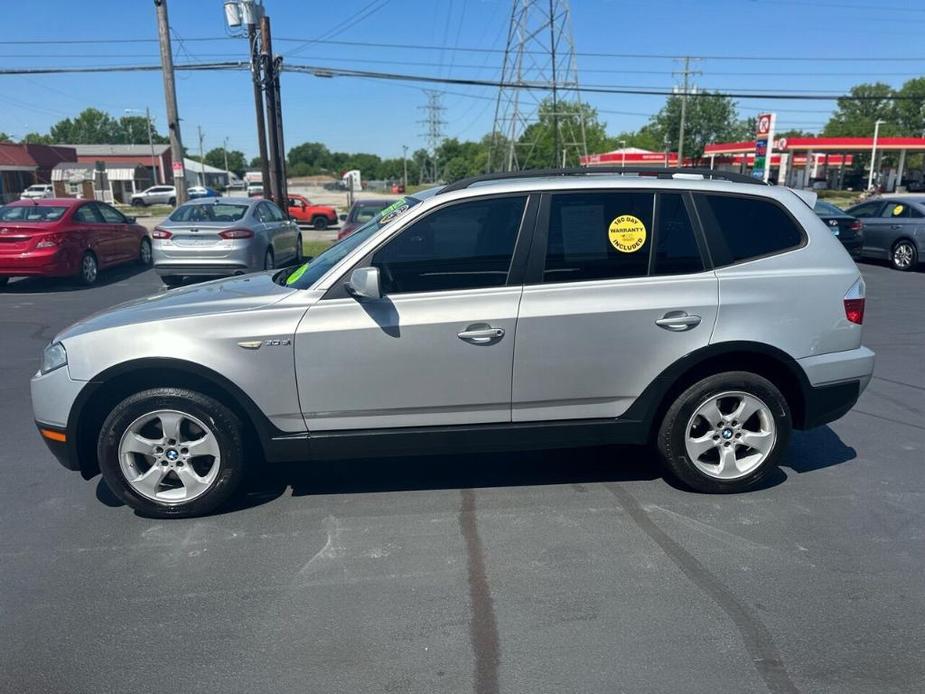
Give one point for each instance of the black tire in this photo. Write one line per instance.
(672, 432)
(172, 202)
(320, 223)
(144, 253)
(901, 251)
(269, 260)
(225, 426)
(139, 202)
(171, 281)
(89, 270)
(3, 281)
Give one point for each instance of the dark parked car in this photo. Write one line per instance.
(894, 229)
(361, 212)
(848, 229)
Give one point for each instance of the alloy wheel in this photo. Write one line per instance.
(88, 269)
(730, 435)
(169, 456)
(903, 255)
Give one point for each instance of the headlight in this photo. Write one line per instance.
(54, 357)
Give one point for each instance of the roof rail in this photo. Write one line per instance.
(641, 171)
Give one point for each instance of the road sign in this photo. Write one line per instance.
(178, 169)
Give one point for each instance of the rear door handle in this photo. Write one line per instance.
(896, 226)
(481, 334)
(678, 321)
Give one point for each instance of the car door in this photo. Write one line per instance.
(616, 291)
(284, 232)
(436, 349)
(875, 227)
(116, 226)
(106, 246)
(898, 220)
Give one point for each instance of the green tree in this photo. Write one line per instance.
(309, 158)
(134, 130)
(5, 138)
(236, 161)
(536, 145)
(910, 113)
(37, 139)
(709, 118)
(855, 118)
(256, 163)
(90, 126)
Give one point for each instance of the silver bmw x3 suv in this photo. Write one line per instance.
(703, 316)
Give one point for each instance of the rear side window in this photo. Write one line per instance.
(676, 250)
(900, 210)
(742, 228)
(468, 245)
(594, 236)
(87, 214)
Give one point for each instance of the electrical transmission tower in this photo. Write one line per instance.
(540, 53)
(433, 128)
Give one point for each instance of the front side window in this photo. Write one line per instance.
(110, 216)
(742, 228)
(598, 235)
(865, 210)
(464, 246)
(275, 215)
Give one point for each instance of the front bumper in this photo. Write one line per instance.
(53, 396)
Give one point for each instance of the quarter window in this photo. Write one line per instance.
(594, 236)
(742, 228)
(464, 246)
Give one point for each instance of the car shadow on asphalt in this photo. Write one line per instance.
(41, 285)
(808, 451)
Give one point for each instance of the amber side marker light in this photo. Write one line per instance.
(54, 435)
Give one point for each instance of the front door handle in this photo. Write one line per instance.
(481, 334)
(896, 226)
(678, 321)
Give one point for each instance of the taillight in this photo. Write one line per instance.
(159, 233)
(50, 241)
(854, 303)
(236, 234)
(856, 225)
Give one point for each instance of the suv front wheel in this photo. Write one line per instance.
(171, 452)
(725, 433)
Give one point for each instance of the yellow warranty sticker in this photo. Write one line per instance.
(898, 210)
(627, 233)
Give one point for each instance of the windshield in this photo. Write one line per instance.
(220, 213)
(32, 213)
(312, 271)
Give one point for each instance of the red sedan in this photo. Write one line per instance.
(67, 238)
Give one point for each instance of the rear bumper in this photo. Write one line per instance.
(201, 269)
(836, 381)
(52, 262)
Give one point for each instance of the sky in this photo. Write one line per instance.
(823, 46)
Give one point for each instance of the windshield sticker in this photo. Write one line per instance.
(294, 277)
(898, 210)
(627, 233)
(393, 211)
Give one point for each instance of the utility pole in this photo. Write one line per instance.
(404, 164)
(225, 152)
(686, 73)
(202, 159)
(170, 95)
(258, 94)
(277, 185)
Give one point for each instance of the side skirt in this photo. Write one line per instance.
(518, 436)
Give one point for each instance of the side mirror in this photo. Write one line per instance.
(342, 217)
(364, 283)
(131, 220)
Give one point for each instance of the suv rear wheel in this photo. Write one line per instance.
(725, 433)
(171, 452)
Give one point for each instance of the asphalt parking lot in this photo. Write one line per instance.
(569, 571)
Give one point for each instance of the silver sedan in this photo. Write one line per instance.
(215, 237)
